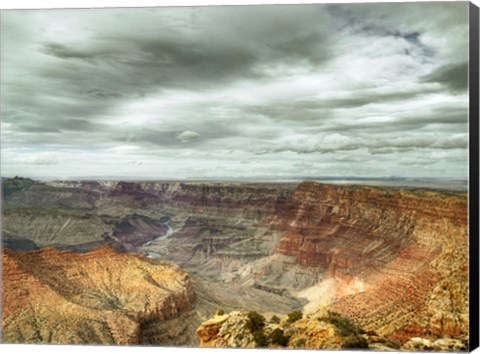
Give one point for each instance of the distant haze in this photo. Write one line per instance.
(364, 90)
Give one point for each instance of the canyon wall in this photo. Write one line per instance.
(100, 297)
(397, 258)
(133, 213)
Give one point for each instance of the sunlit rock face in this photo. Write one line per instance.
(100, 297)
(398, 258)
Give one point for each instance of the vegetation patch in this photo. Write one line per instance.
(275, 319)
(260, 339)
(255, 321)
(300, 342)
(278, 337)
(294, 316)
(256, 324)
(351, 334)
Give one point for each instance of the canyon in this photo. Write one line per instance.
(392, 260)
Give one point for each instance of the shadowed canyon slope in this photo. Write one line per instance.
(394, 261)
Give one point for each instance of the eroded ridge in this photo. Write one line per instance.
(100, 297)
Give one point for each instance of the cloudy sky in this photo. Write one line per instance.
(238, 92)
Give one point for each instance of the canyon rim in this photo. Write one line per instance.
(278, 176)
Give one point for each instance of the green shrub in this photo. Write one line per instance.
(300, 342)
(260, 339)
(278, 337)
(294, 316)
(275, 319)
(255, 321)
(347, 329)
(355, 342)
(345, 325)
(220, 312)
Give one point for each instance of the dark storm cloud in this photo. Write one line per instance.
(90, 77)
(77, 125)
(58, 125)
(371, 98)
(413, 38)
(320, 108)
(32, 128)
(63, 52)
(454, 76)
(204, 60)
(449, 118)
(157, 63)
(208, 55)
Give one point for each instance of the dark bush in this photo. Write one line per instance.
(347, 329)
(220, 312)
(355, 342)
(275, 319)
(300, 342)
(260, 339)
(255, 321)
(278, 337)
(345, 325)
(294, 316)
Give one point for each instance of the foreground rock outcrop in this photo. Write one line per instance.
(323, 330)
(99, 297)
(226, 331)
(250, 330)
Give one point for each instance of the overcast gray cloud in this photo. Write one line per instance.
(454, 76)
(246, 91)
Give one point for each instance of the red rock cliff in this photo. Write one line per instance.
(399, 257)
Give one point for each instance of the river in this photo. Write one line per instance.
(169, 232)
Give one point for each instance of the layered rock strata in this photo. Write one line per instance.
(99, 297)
(80, 215)
(397, 260)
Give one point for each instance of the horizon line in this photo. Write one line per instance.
(230, 178)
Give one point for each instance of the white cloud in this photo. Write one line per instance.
(187, 136)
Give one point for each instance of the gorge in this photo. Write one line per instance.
(392, 260)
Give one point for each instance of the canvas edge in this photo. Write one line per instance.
(474, 177)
